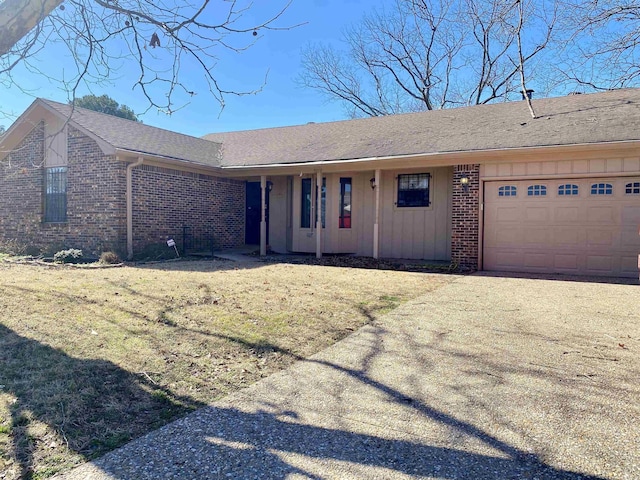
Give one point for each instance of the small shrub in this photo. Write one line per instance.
(158, 251)
(16, 248)
(73, 255)
(110, 258)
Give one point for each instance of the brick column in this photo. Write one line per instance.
(465, 217)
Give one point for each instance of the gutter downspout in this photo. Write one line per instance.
(129, 196)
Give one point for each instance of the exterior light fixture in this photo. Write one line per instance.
(373, 182)
(464, 181)
(269, 186)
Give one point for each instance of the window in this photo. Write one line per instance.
(55, 198)
(507, 191)
(567, 189)
(305, 210)
(323, 202)
(536, 190)
(632, 188)
(413, 190)
(307, 206)
(601, 189)
(344, 221)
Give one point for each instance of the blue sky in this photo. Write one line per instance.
(281, 102)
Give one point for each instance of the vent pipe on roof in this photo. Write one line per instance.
(529, 94)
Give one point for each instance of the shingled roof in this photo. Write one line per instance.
(575, 119)
(140, 138)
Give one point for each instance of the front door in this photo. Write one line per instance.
(253, 215)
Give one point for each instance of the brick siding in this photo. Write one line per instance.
(165, 200)
(95, 198)
(465, 217)
(21, 187)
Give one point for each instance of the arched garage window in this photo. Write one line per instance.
(601, 189)
(507, 191)
(568, 189)
(536, 190)
(632, 188)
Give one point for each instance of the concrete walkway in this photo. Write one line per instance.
(485, 378)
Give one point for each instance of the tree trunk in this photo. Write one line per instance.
(18, 17)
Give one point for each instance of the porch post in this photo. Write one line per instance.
(263, 216)
(376, 234)
(319, 214)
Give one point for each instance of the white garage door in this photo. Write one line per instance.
(584, 227)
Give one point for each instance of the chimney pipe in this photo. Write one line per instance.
(529, 94)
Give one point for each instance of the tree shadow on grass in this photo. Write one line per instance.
(60, 405)
(265, 442)
(95, 406)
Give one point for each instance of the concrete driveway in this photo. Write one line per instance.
(485, 378)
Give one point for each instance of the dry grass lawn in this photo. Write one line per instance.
(91, 358)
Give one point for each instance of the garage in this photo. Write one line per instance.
(583, 226)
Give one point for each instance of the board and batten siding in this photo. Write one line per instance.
(279, 214)
(334, 239)
(561, 168)
(417, 233)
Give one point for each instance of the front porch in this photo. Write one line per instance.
(399, 213)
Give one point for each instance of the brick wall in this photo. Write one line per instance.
(465, 217)
(21, 190)
(95, 198)
(165, 200)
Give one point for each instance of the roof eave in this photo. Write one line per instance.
(446, 158)
(165, 161)
(17, 131)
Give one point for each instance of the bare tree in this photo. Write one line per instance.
(430, 54)
(158, 39)
(605, 44)
(521, 59)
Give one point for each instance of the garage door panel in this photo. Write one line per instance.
(567, 214)
(631, 214)
(598, 237)
(537, 214)
(601, 215)
(629, 265)
(537, 260)
(564, 236)
(536, 236)
(509, 237)
(599, 263)
(507, 214)
(581, 233)
(566, 261)
(629, 239)
(505, 259)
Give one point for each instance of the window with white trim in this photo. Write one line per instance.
(507, 191)
(344, 219)
(308, 206)
(568, 189)
(632, 188)
(537, 190)
(601, 189)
